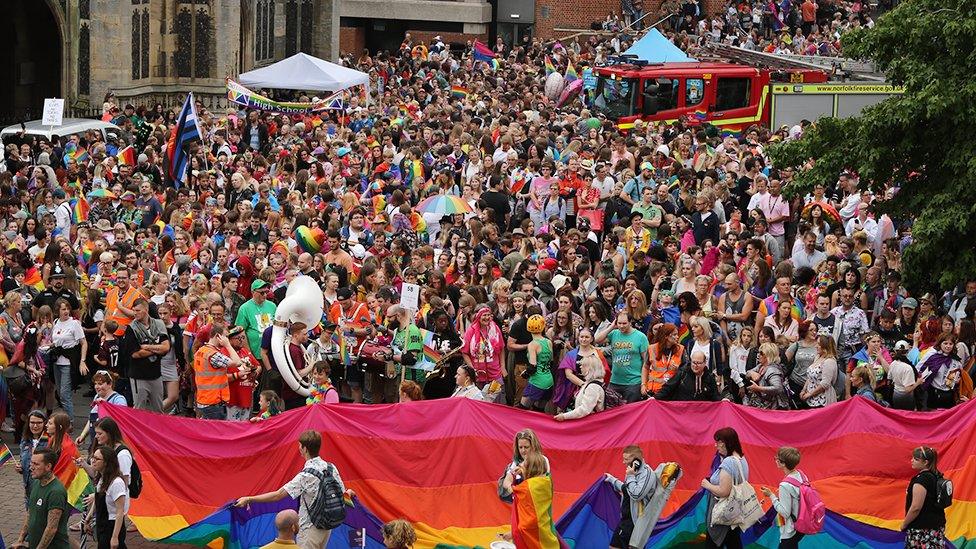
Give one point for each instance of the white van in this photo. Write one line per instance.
(68, 127)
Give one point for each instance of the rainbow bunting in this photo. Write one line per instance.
(127, 156)
(550, 68)
(571, 73)
(193, 472)
(5, 454)
(482, 52)
(459, 92)
(532, 525)
(79, 209)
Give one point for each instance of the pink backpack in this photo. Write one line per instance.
(810, 517)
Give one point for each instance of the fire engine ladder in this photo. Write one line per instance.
(838, 67)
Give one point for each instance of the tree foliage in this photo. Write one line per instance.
(922, 141)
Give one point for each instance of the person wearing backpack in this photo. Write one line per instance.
(798, 505)
(929, 493)
(319, 491)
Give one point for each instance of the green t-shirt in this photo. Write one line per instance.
(409, 339)
(255, 319)
(650, 212)
(627, 356)
(542, 378)
(42, 500)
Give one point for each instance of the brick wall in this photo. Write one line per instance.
(352, 40)
(550, 14)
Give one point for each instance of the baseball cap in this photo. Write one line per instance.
(235, 331)
(910, 303)
(258, 284)
(646, 166)
(902, 346)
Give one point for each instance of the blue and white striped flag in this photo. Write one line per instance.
(187, 131)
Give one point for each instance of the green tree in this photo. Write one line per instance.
(922, 141)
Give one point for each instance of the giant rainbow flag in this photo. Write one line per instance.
(436, 463)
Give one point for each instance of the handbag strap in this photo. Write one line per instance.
(738, 464)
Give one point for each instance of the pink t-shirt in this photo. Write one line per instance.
(773, 207)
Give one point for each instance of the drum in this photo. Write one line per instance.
(373, 357)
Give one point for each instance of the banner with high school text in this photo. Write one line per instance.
(237, 93)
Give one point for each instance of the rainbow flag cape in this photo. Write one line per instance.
(550, 67)
(571, 73)
(413, 168)
(127, 156)
(192, 472)
(79, 209)
(532, 526)
(379, 204)
(74, 478)
(459, 92)
(482, 52)
(768, 307)
(5, 454)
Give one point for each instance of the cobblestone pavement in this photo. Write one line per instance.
(12, 489)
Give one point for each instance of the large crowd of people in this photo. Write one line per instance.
(587, 267)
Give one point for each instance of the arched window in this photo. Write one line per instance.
(298, 26)
(194, 36)
(264, 30)
(140, 39)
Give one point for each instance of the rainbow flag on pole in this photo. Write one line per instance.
(550, 67)
(571, 73)
(79, 209)
(482, 52)
(5, 454)
(532, 524)
(127, 156)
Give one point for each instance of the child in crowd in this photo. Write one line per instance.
(321, 389)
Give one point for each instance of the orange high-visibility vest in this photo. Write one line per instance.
(211, 382)
(112, 307)
(663, 366)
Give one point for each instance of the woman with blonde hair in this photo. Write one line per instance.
(818, 390)
(765, 386)
(526, 442)
(703, 340)
(399, 534)
(636, 307)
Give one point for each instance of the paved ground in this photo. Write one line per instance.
(12, 489)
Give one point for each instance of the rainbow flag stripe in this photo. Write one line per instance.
(193, 472)
(127, 156)
(571, 73)
(459, 92)
(74, 478)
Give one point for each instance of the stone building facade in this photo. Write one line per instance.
(149, 50)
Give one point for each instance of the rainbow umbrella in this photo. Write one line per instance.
(101, 193)
(444, 204)
(829, 212)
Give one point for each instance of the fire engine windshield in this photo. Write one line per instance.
(614, 97)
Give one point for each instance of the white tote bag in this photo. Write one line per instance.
(740, 508)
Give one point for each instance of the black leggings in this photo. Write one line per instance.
(733, 540)
(791, 542)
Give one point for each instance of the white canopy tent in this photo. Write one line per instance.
(306, 73)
